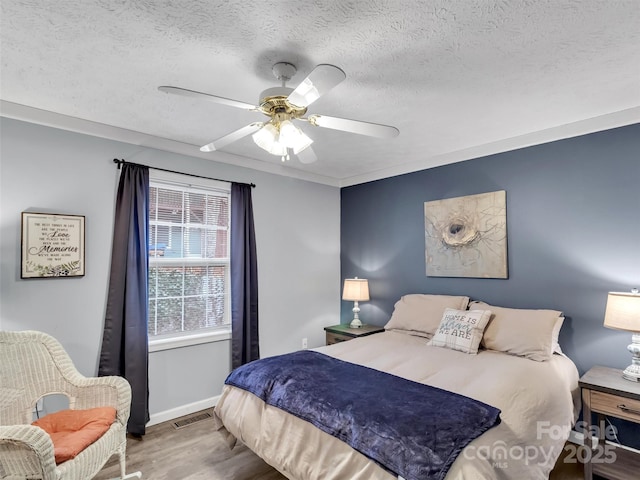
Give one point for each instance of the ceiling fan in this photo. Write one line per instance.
(283, 105)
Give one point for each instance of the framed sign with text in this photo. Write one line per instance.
(52, 245)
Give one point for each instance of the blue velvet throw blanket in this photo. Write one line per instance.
(413, 430)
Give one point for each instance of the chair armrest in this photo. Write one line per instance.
(26, 452)
(110, 391)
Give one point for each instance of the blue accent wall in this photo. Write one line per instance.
(573, 227)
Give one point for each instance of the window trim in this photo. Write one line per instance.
(214, 334)
(160, 343)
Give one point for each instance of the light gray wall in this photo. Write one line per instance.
(297, 231)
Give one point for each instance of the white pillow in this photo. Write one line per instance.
(461, 330)
(420, 315)
(526, 333)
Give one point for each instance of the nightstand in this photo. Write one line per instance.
(606, 393)
(342, 333)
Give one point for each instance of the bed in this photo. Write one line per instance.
(523, 374)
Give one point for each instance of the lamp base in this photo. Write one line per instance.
(355, 323)
(632, 372)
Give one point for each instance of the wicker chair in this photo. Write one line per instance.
(32, 365)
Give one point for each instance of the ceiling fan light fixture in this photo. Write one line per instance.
(288, 133)
(266, 137)
(303, 142)
(277, 138)
(292, 137)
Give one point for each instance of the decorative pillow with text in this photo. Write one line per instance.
(461, 330)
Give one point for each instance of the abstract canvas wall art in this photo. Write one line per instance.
(467, 236)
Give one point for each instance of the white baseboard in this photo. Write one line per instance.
(182, 410)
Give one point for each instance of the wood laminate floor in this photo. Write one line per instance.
(193, 452)
(196, 452)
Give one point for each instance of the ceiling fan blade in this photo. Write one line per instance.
(354, 126)
(232, 137)
(322, 79)
(307, 155)
(207, 96)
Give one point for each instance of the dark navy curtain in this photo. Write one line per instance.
(125, 349)
(244, 278)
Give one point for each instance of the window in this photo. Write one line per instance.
(188, 258)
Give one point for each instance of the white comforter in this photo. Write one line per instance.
(539, 403)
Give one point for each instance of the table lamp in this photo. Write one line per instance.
(355, 290)
(623, 313)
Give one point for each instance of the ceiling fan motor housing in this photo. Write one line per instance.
(274, 100)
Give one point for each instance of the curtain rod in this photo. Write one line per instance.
(120, 162)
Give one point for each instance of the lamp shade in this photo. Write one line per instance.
(355, 289)
(623, 311)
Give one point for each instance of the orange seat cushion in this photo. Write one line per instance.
(74, 430)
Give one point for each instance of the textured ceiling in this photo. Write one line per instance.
(451, 76)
